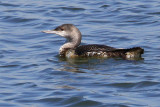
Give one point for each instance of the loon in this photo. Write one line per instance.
(72, 47)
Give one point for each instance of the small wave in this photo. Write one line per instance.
(134, 85)
(73, 8)
(8, 4)
(14, 19)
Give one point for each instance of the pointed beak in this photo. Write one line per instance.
(49, 31)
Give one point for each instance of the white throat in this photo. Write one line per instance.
(68, 45)
(73, 41)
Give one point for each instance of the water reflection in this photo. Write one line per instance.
(79, 64)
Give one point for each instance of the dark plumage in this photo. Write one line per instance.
(92, 48)
(102, 50)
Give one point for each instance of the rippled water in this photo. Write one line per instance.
(32, 74)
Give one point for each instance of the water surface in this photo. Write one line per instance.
(32, 74)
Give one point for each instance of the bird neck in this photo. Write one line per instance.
(71, 43)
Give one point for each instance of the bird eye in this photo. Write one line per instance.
(59, 29)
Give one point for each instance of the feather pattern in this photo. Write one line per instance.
(107, 51)
(92, 48)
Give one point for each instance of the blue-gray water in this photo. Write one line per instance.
(32, 74)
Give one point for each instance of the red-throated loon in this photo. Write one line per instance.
(72, 49)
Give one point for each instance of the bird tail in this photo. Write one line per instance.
(130, 53)
(135, 52)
